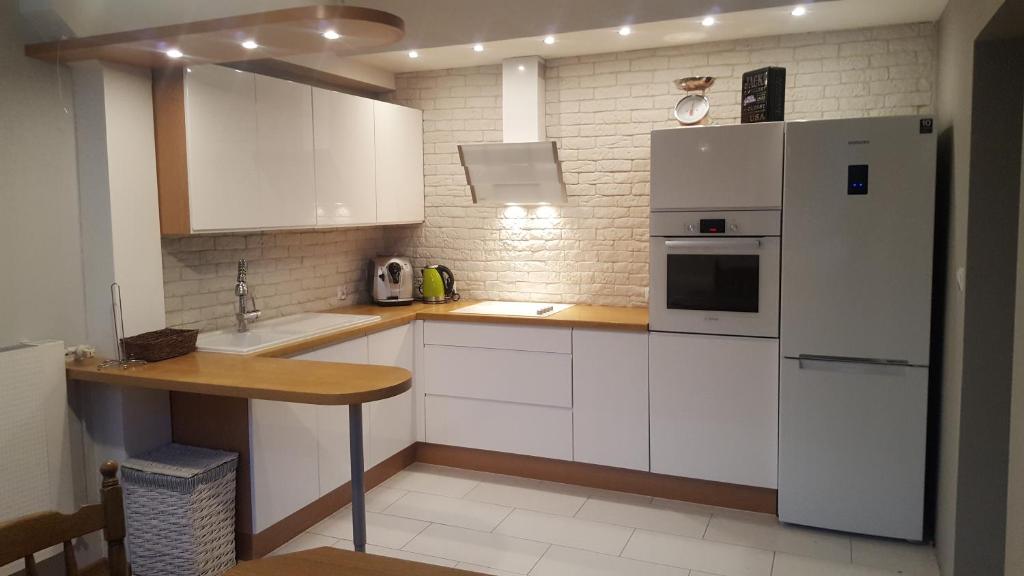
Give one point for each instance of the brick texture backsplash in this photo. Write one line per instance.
(289, 272)
(600, 110)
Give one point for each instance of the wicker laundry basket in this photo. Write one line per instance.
(180, 504)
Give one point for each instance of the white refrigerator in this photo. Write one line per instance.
(857, 243)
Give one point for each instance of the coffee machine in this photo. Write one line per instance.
(392, 281)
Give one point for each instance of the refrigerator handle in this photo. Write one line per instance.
(849, 360)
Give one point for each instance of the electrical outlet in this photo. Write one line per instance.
(342, 293)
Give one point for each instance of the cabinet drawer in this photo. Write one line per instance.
(504, 427)
(506, 375)
(500, 336)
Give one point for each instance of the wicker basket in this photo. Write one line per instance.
(160, 344)
(180, 504)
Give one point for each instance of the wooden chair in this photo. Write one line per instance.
(23, 537)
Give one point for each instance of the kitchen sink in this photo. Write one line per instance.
(268, 334)
(524, 309)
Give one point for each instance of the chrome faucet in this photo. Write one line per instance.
(244, 316)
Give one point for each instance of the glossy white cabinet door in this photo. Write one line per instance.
(344, 143)
(399, 163)
(543, 431)
(284, 460)
(610, 398)
(392, 420)
(284, 152)
(714, 408)
(540, 378)
(332, 421)
(221, 137)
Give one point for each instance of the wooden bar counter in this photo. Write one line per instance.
(258, 378)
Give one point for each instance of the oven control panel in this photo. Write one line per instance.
(721, 223)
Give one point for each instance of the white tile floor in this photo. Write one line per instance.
(507, 525)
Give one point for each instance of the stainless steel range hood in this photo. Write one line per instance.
(524, 169)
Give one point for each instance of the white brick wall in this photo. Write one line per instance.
(289, 272)
(600, 110)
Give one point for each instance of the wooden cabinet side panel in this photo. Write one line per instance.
(219, 423)
(171, 151)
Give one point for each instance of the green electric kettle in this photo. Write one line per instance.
(438, 285)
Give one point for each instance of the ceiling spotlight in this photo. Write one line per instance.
(799, 11)
(522, 68)
(331, 35)
(174, 53)
(625, 31)
(708, 21)
(414, 54)
(549, 40)
(250, 45)
(478, 47)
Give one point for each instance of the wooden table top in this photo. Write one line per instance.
(306, 382)
(336, 562)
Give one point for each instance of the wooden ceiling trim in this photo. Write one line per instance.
(280, 33)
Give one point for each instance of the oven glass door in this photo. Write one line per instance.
(723, 282)
(715, 285)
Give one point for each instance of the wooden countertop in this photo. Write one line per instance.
(334, 562)
(232, 375)
(578, 316)
(268, 375)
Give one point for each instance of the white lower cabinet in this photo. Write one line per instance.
(301, 452)
(284, 460)
(332, 421)
(543, 431)
(392, 420)
(714, 408)
(610, 398)
(498, 387)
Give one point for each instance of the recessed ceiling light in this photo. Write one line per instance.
(478, 47)
(708, 21)
(522, 68)
(174, 53)
(799, 11)
(414, 54)
(549, 40)
(331, 35)
(250, 45)
(625, 31)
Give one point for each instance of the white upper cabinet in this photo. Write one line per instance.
(399, 163)
(220, 112)
(344, 143)
(241, 151)
(284, 152)
(250, 151)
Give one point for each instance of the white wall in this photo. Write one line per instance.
(959, 26)
(120, 242)
(40, 258)
(600, 109)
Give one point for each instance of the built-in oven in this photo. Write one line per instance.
(715, 272)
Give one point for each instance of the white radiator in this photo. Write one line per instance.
(35, 453)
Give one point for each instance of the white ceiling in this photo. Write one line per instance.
(832, 15)
(443, 31)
